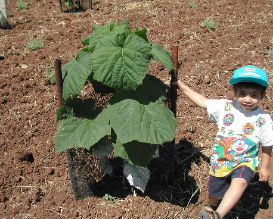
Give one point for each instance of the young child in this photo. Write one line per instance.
(242, 128)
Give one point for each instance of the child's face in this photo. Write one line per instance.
(248, 97)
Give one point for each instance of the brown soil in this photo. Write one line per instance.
(34, 179)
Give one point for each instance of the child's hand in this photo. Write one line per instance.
(178, 83)
(266, 154)
(263, 175)
(175, 83)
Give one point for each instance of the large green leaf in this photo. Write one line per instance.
(75, 74)
(142, 33)
(81, 132)
(121, 61)
(100, 32)
(162, 56)
(103, 148)
(136, 153)
(84, 108)
(151, 90)
(152, 123)
(64, 112)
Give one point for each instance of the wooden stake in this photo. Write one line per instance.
(172, 99)
(59, 80)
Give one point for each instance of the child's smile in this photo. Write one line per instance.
(248, 98)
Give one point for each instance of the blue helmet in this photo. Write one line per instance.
(249, 73)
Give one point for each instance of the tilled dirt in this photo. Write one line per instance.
(34, 180)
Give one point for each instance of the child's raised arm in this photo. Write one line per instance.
(195, 97)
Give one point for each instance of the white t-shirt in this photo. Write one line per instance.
(239, 135)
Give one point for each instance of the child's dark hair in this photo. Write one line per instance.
(250, 85)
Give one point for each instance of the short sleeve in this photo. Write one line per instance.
(215, 108)
(266, 133)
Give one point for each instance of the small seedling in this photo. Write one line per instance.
(68, 3)
(192, 4)
(269, 52)
(20, 5)
(210, 23)
(34, 43)
(50, 74)
(108, 197)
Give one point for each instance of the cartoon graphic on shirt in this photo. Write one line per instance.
(238, 137)
(228, 119)
(228, 106)
(226, 144)
(233, 150)
(260, 122)
(230, 132)
(213, 162)
(240, 146)
(248, 129)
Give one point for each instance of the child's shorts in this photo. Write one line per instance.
(219, 185)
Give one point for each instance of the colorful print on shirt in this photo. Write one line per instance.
(260, 122)
(248, 129)
(228, 106)
(239, 135)
(228, 119)
(231, 151)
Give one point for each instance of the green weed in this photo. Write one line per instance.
(192, 4)
(20, 5)
(108, 197)
(34, 43)
(50, 74)
(210, 23)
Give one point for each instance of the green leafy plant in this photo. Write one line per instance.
(34, 43)
(108, 197)
(20, 5)
(68, 3)
(192, 4)
(210, 23)
(50, 74)
(135, 121)
(72, 5)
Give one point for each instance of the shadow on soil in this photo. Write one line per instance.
(256, 197)
(181, 191)
(184, 189)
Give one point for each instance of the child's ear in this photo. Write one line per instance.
(263, 94)
(234, 91)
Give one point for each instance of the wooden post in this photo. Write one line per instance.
(80, 185)
(172, 104)
(174, 78)
(3, 15)
(59, 80)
